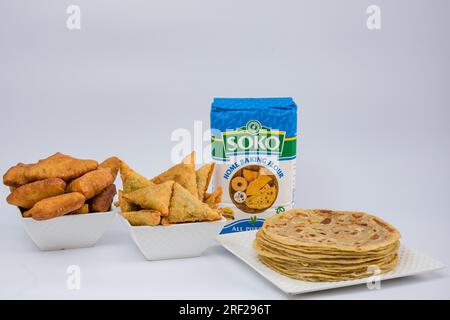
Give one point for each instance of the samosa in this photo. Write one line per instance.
(156, 197)
(185, 207)
(213, 199)
(182, 173)
(131, 180)
(143, 217)
(203, 177)
(125, 205)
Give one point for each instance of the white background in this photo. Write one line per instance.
(374, 133)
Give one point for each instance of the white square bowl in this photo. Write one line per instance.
(68, 232)
(175, 241)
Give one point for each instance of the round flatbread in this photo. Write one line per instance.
(327, 229)
(326, 245)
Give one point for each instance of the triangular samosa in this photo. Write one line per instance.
(184, 207)
(189, 159)
(203, 177)
(143, 217)
(156, 197)
(131, 180)
(213, 199)
(183, 173)
(125, 205)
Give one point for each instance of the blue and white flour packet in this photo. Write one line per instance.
(254, 146)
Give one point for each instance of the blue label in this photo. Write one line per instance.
(243, 225)
(276, 113)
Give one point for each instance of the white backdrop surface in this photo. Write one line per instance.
(373, 123)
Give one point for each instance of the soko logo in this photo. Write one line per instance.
(253, 137)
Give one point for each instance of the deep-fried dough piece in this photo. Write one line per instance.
(184, 207)
(131, 180)
(26, 214)
(189, 159)
(53, 156)
(56, 206)
(27, 195)
(92, 183)
(213, 199)
(165, 221)
(83, 210)
(102, 202)
(183, 173)
(156, 197)
(143, 217)
(125, 205)
(60, 166)
(203, 177)
(113, 164)
(15, 176)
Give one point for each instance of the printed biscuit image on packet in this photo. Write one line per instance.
(254, 146)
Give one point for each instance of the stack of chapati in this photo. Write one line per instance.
(326, 245)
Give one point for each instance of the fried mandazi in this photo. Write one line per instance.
(113, 164)
(61, 184)
(103, 201)
(59, 166)
(91, 183)
(83, 210)
(27, 195)
(15, 176)
(56, 206)
(165, 221)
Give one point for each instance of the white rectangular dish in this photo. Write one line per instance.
(410, 263)
(69, 231)
(175, 241)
